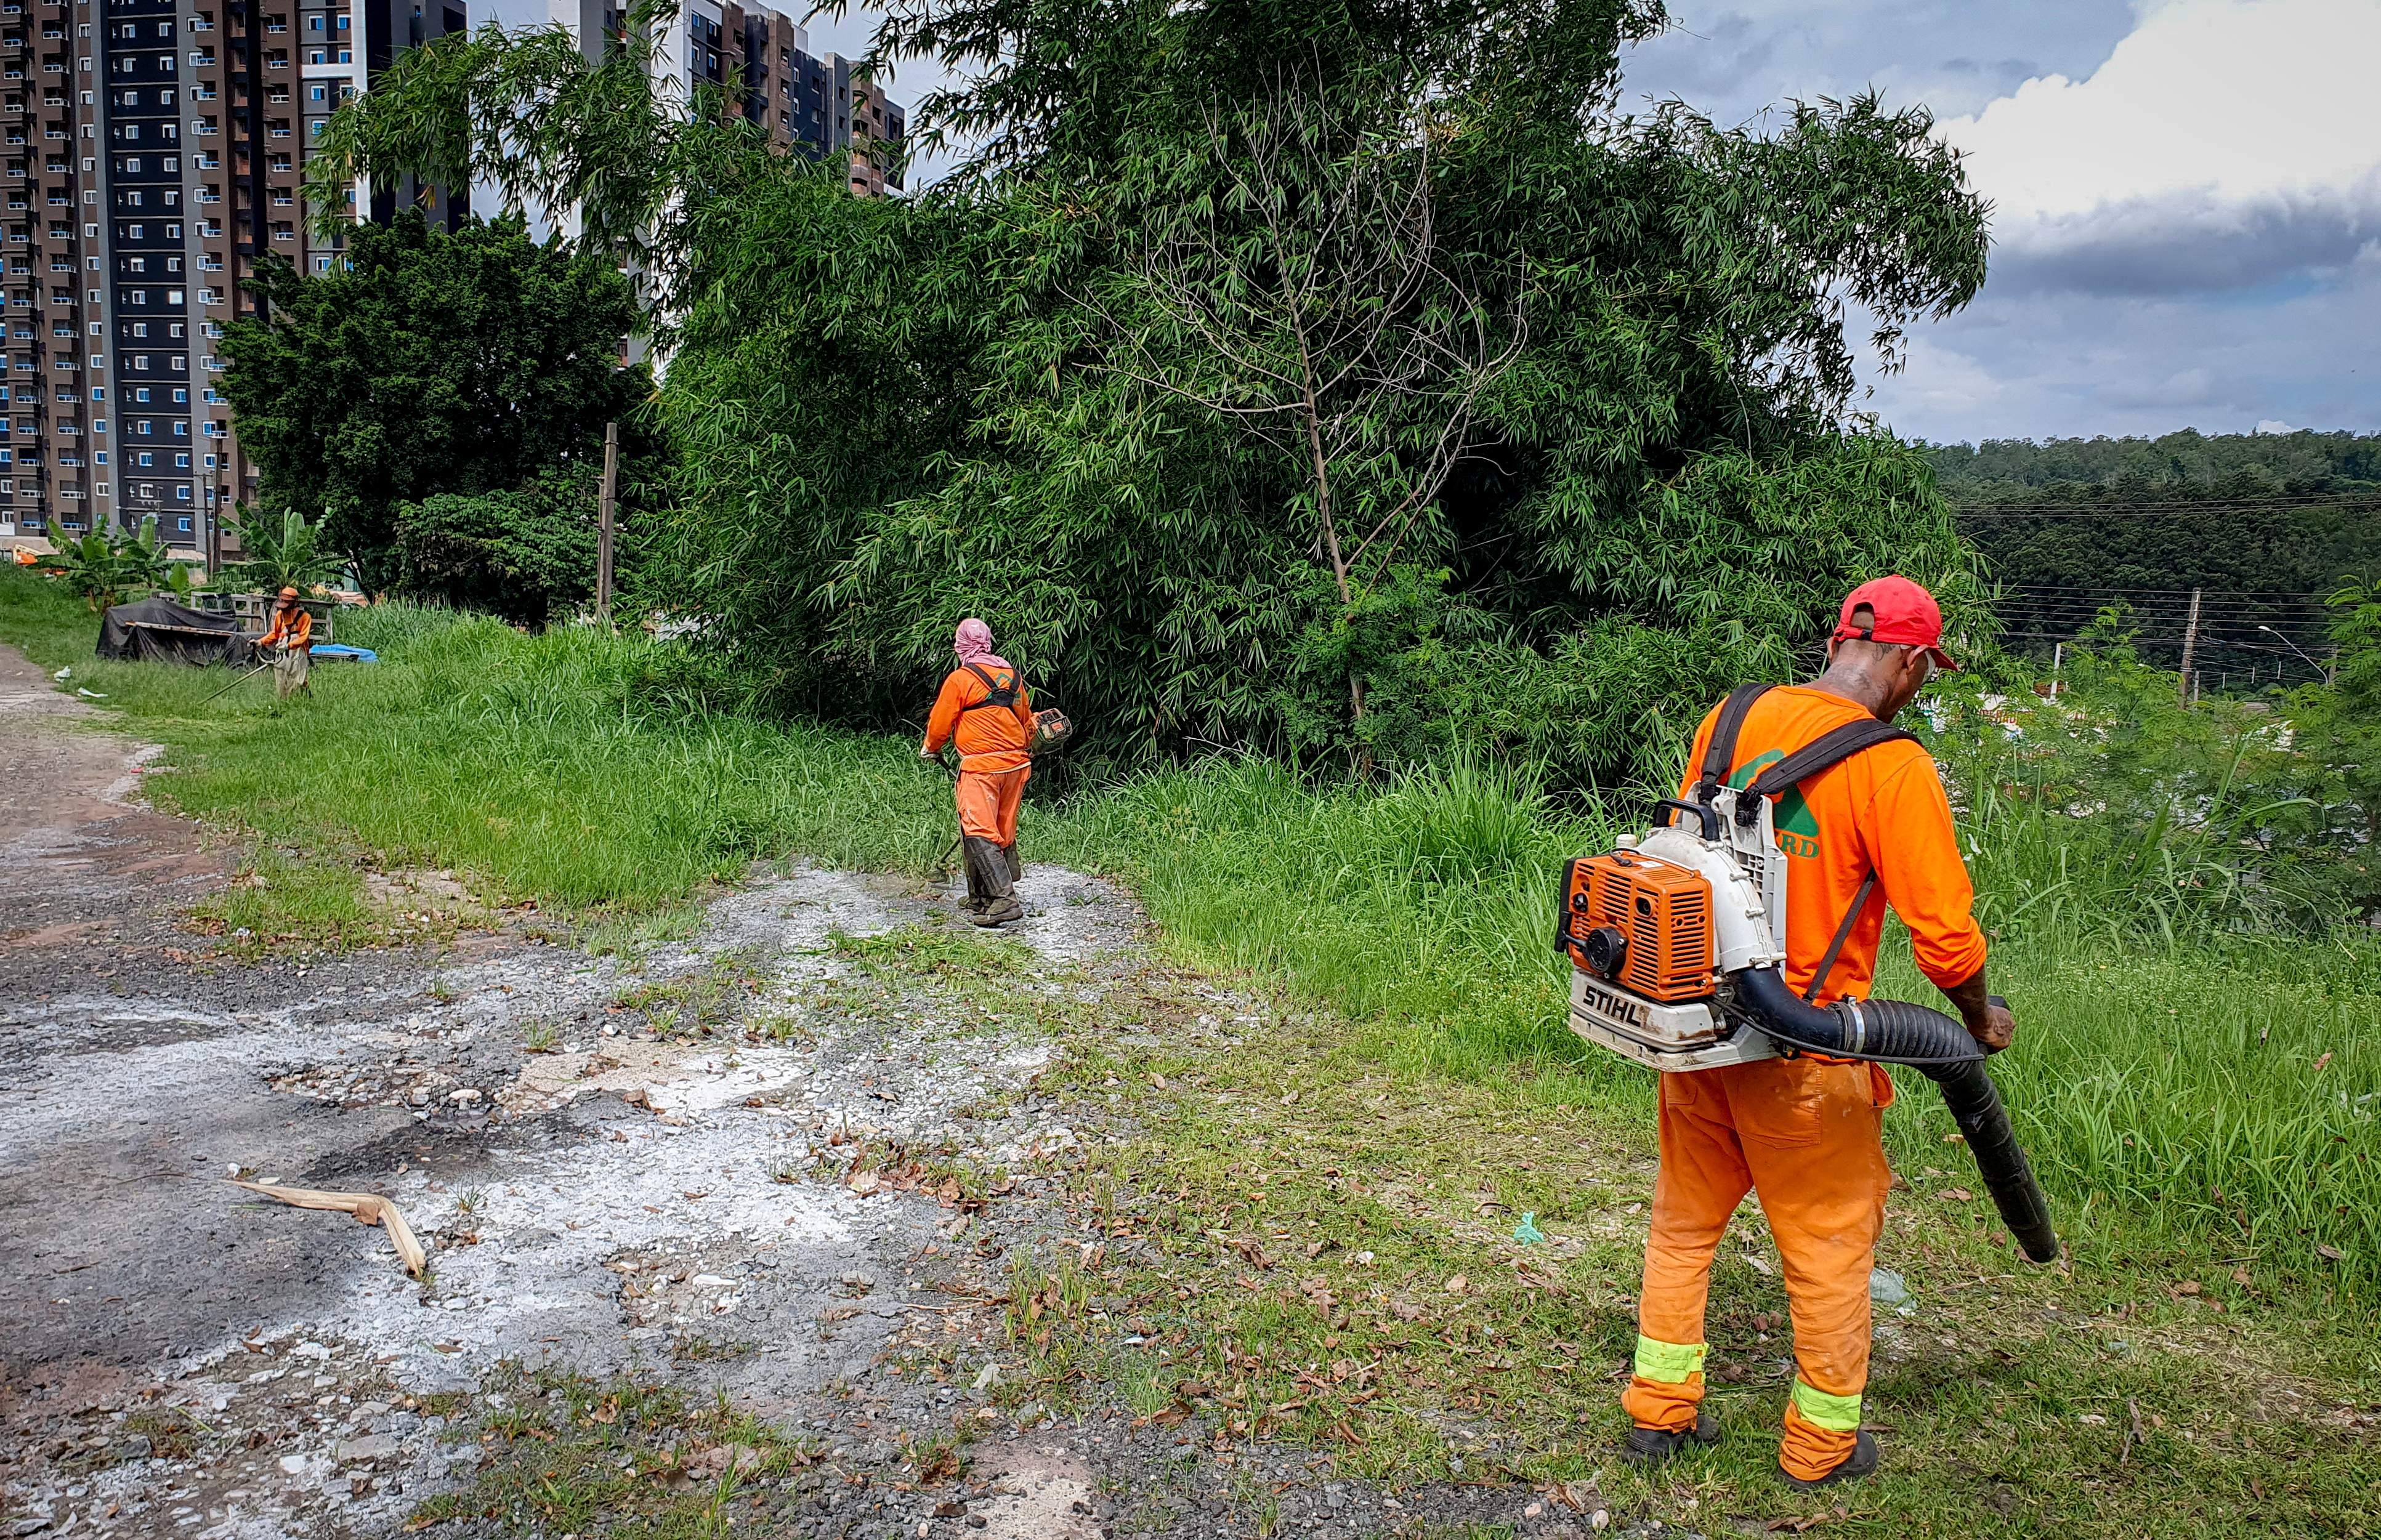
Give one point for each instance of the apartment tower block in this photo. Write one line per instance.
(151, 152)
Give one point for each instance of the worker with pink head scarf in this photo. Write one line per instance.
(982, 710)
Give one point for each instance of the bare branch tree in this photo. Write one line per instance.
(1298, 291)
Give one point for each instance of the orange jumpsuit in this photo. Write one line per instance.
(298, 629)
(993, 763)
(1803, 1132)
(295, 629)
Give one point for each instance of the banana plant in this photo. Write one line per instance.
(285, 557)
(93, 567)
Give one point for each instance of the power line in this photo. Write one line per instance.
(2165, 507)
(2086, 588)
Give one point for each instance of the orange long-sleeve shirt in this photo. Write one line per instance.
(298, 630)
(989, 740)
(1881, 810)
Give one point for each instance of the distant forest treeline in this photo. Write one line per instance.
(2266, 524)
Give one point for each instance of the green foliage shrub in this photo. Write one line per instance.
(525, 555)
(987, 400)
(428, 362)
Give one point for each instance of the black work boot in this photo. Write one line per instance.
(1000, 907)
(1653, 1446)
(1860, 1463)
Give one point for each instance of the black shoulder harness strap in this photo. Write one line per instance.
(1721, 756)
(1823, 752)
(1003, 696)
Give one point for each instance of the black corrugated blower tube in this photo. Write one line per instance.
(1895, 1031)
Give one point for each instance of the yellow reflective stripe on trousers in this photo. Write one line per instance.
(1836, 1413)
(1669, 1363)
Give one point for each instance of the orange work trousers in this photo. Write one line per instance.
(988, 802)
(1805, 1135)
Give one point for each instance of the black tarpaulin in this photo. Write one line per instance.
(159, 630)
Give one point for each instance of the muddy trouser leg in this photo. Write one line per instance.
(1016, 861)
(978, 802)
(976, 897)
(1001, 904)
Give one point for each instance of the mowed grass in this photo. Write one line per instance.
(2183, 1103)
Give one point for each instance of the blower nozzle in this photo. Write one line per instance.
(1895, 1031)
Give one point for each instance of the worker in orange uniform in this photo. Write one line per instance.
(985, 710)
(292, 632)
(1803, 1131)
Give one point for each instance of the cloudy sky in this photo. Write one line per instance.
(2188, 195)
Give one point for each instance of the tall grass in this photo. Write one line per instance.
(1427, 906)
(2173, 1090)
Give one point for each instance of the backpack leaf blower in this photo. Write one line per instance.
(1676, 946)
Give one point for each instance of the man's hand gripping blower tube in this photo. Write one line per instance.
(1677, 943)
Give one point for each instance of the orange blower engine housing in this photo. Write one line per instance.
(1641, 922)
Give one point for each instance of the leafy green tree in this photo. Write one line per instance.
(1582, 421)
(144, 559)
(1663, 491)
(523, 110)
(289, 555)
(429, 362)
(525, 556)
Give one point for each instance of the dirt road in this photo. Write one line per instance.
(723, 1168)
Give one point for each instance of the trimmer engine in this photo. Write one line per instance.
(1653, 927)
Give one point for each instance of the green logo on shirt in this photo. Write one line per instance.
(1798, 831)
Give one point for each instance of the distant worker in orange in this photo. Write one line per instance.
(1803, 1131)
(292, 633)
(982, 710)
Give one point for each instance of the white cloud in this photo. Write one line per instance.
(2224, 120)
(2044, 363)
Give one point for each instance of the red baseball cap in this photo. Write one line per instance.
(1902, 615)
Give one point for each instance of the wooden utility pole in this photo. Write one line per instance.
(604, 526)
(2190, 644)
